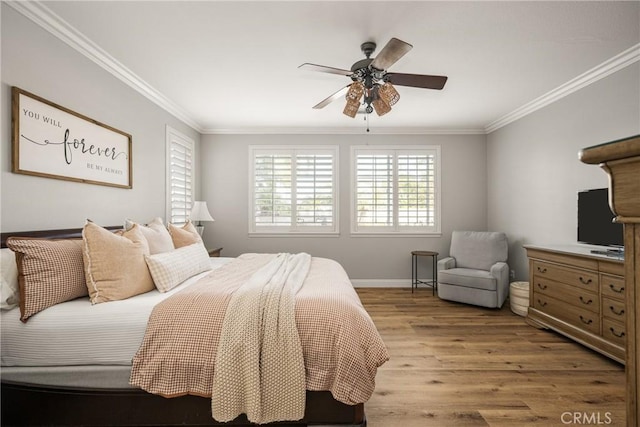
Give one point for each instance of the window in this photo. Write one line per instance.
(180, 175)
(396, 190)
(293, 189)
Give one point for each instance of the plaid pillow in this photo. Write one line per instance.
(49, 272)
(169, 269)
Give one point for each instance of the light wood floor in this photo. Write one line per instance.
(459, 365)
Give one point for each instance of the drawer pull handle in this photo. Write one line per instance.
(585, 302)
(542, 303)
(586, 321)
(585, 281)
(616, 290)
(617, 313)
(542, 270)
(618, 334)
(541, 286)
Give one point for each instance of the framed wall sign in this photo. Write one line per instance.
(54, 142)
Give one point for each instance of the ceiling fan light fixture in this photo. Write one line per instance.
(355, 93)
(389, 94)
(356, 90)
(381, 106)
(351, 108)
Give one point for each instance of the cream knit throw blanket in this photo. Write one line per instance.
(259, 369)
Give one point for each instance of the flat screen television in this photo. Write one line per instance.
(595, 219)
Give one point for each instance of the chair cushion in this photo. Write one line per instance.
(470, 278)
(478, 249)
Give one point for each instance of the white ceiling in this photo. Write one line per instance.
(232, 66)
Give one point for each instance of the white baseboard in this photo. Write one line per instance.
(382, 283)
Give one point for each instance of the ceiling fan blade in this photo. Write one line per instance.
(390, 53)
(327, 101)
(324, 69)
(416, 80)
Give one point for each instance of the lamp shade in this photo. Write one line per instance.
(200, 212)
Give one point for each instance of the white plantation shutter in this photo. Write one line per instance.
(416, 190)
(179, 176)
(272, 189)
(314, 189)
(395, 189)
(374, 189)
(293, 189)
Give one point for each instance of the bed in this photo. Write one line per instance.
(71, 364)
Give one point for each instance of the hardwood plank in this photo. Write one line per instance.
(459, 365)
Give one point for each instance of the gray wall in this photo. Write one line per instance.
(225, 187)
(522, 178)
(533, 169)
(36, 61)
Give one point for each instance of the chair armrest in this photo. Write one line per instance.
(446, 263)
(500, 270)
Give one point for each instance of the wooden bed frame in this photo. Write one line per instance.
(37, 405)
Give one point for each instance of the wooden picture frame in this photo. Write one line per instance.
(51, 141)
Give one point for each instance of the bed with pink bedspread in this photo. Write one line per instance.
(173, 372)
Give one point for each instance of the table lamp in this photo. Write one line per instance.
(200, 212)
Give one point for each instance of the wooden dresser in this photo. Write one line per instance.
(621, 160)
(580, 295)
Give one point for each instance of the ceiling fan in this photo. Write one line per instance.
(372, 83)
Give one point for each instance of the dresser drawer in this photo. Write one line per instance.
(615, 268)
(584, 279)
(612, 286)
(613, 309)
(582, 318)
(573, 295)
(614, 331)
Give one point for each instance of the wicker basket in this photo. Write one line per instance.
(519, 297)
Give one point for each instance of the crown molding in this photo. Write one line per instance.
(341, 131)
(44, 17)
(50, 21)
(608, 67)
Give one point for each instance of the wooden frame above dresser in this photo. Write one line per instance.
(580, 295)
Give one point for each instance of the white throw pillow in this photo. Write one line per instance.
(9, 291)
(169, 269)
(156, 233)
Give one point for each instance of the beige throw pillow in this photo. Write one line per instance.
(185, 235)
(49, 272)
(157, 236)
(114, 264)
(169, 269)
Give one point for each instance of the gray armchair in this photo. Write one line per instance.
(476, 271)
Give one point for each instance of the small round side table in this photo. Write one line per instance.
(414, 270)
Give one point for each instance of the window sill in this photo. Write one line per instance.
(294, 234)
(393, 234)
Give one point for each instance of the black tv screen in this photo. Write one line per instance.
(595, 219)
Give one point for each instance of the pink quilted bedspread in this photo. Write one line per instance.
(341, 346)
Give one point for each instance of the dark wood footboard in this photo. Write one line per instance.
(34, 405)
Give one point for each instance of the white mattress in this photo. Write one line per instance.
(78, 333)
